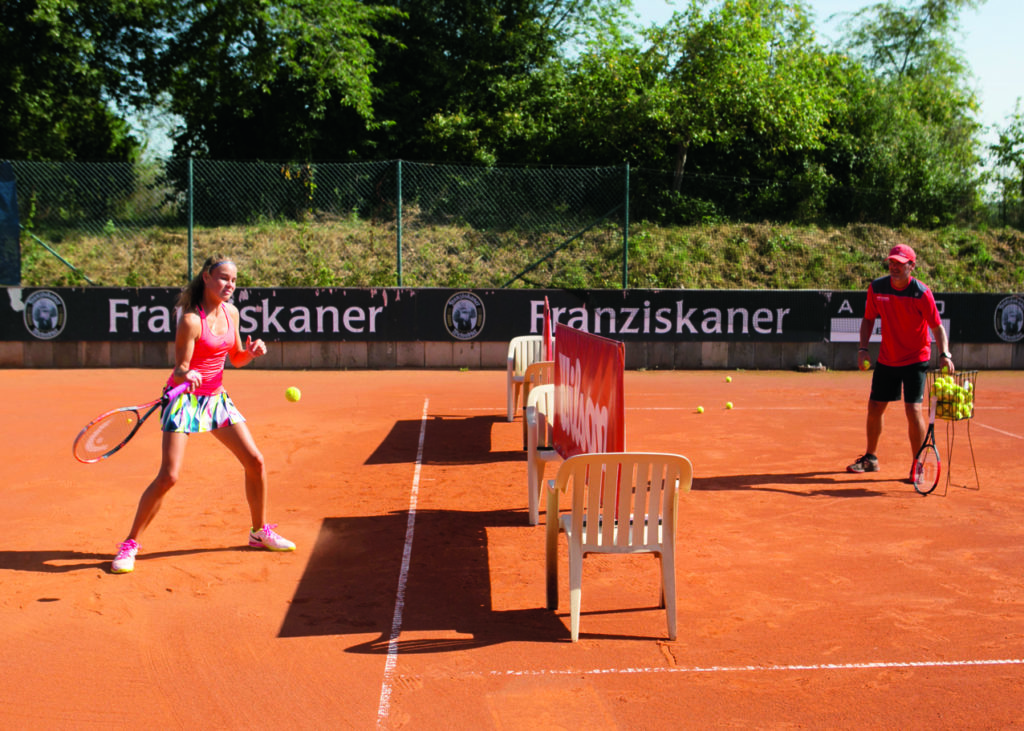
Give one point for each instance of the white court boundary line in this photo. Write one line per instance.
(384, 705)
(760, 668)
(1000, 431)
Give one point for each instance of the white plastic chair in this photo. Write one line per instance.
(622, 502)
(522, 351)
(538, 373)
(540, 443)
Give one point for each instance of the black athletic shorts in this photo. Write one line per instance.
(888, 381)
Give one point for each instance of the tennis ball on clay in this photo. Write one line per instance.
(292, 394)
(728, 379)
(700, 409)
(728, 404)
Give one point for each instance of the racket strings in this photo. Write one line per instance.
(107, 433)
(927, 469)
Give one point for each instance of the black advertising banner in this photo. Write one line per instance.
(968, 318)
(402, 315)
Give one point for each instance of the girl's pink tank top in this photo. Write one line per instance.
(209, 353)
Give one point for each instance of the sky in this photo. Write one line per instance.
(990, 38)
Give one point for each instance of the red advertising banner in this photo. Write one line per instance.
(589, 401)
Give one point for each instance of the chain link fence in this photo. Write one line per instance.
(390, 223)
(397, 223)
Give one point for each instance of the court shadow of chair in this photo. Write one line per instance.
(349, 587)
(774, 482)
(603, 488)
(454, 439)
(59, 561)
(522, 351)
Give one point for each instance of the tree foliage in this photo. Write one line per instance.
(477, 81)
(1008, 154)
(731, 109)
(70, 71)
(1009, 150)
(253, 79)
(907, 149)
(737, 90)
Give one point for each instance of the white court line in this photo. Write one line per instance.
(762, 668)
(403, 577)
(1005, 433)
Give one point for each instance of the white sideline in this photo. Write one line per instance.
(403, 577)
(762, 668)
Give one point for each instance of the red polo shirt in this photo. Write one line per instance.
(907, 316)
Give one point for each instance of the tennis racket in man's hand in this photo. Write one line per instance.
(108, 432)
(927, 465)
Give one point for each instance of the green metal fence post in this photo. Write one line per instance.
(625, 235)
(191, 199)
(399, 223)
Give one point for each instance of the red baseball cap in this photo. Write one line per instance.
(901, 253)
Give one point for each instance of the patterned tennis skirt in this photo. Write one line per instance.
(191, 414)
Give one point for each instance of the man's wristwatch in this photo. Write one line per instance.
(946, 354)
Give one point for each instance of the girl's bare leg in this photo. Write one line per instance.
(238, 439)
(172, 455)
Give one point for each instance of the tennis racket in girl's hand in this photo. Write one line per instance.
(927, 465)
(108, 432)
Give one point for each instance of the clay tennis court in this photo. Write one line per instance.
(808, 597)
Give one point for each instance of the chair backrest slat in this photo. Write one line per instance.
(621, 499)
(524, 350)
(542, 399)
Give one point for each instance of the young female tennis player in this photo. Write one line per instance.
(207, 331)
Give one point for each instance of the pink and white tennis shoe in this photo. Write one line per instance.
(124, 561)
(265, 537)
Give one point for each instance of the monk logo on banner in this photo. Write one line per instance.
(45, 314)
(1009, 319)
(464, 315)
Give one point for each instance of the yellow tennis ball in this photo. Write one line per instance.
(728, 404)
(867, 365)
(293, 394)
(728, 379)
(700, 409)
(945, 369)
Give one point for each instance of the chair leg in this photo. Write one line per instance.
(510, 400)
(668, 591)
(532, 485)
(661, 568)
(575, 587)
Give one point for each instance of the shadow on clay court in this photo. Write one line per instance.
(56, 561)
(808, 484)
(452, 440)
(350, 584)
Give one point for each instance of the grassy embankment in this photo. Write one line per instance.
(363, 254)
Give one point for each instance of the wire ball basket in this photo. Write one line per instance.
(955, 394)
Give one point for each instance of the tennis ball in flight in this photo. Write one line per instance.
(728, 404)
(292, 394)
(728, 379)
(700, 409)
